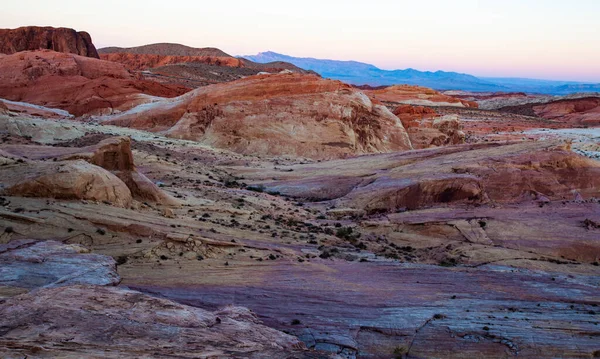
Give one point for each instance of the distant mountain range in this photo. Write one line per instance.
(359, 73)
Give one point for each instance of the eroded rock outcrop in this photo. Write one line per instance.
(60, 172)
(80, 85)
(64, 180)
(47, 38)
(116, 322)
(428, 129)
(284, 114)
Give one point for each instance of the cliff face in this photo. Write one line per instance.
(50, 38)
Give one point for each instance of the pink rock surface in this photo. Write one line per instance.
(108, 322)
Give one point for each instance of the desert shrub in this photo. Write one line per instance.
(121, 260)
(258, 188)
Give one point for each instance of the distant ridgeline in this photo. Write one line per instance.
(359, 73)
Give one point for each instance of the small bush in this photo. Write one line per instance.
(400, 351)
(344, 233)
(121, 260)
(258, 188)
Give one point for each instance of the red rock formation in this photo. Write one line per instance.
(32, 110)
(193, 71)
(416, 95)
(581, 111)
(513, 173)
(48, 38)
(148, 56)
(426, 129)
(166, 49)
(411, 116)
(138, 62)
(286, 114)
(78, 84)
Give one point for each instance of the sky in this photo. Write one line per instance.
(543, 39)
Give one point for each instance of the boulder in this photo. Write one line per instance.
(64, 180)
(450, 126)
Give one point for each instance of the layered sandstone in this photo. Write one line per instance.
(367, 290)
(513, 173)
(139, 62)
(80, 85)
(47, 38)
(113, 322)
(577, 112)
(3, 108)
(416, 95)
(285, 114)
(108, 173)
(64, 180)
(189, 67)
(426, 128)
(156, 55)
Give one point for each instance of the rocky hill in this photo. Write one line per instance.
(49, 38)
(80, 85)
(165, 49)
(192, 67)
(284, 114)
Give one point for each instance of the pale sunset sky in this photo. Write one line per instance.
(544, 39)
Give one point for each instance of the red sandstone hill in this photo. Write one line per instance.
(80, 85)
(49, 38)
(283, 114)
(166, 49)
(140, 62)
(188, 66)
(579, 111)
